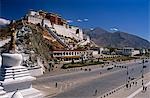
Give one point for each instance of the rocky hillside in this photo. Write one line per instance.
(117, 39)
(33, 42)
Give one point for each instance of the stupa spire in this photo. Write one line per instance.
(12, 47)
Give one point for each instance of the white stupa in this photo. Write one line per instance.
(15, 79)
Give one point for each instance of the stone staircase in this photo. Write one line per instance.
(57, 38)
(2, 93)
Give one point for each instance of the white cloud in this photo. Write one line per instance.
(91, 28)
(79, 20)
(86, 19)
(4, 21)
(114, 29)
(70, 21)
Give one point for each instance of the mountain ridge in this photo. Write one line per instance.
(116, 39)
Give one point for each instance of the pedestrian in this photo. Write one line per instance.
(130, 85)
(145, 88)
(89, 69)
(100, 72)
(129, 78)
(142, 82)
(126, 85)
(95, 92)
(56, 85)
(136, 83)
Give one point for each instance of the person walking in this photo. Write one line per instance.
(100, 72)
(56, 85)
(95, 92)
(136, 83)
(145, 88)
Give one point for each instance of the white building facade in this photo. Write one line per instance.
(70, 55)
(65, 30)
(72, 32)
(128, 51)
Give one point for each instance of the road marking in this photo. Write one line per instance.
(138, 91)
(46, 86)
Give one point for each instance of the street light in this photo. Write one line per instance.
(127, 78)
(143, 73)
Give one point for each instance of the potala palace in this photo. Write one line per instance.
(57, 24)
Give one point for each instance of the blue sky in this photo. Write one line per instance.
(128, 15)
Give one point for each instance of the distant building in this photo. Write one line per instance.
(118, 51)
(95, 51)
(70, 55)
(142, 51)
(101, 50)
(105, 51)
(135, 52)
(128, 51)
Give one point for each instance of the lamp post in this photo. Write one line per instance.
(143, 73)
(127, 81)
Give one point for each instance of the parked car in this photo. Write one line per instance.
(146, 61)
(109, 68)
(133, 78)
(144, 66)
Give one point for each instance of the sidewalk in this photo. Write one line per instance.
(143, 94)
(134, 92)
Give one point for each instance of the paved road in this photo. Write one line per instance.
(102, 84)
(77, 75)
(91, 80)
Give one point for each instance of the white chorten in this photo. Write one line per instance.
(14, 77)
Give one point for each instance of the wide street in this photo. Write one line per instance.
(83, 84)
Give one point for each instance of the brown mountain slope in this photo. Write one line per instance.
(118, 39)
